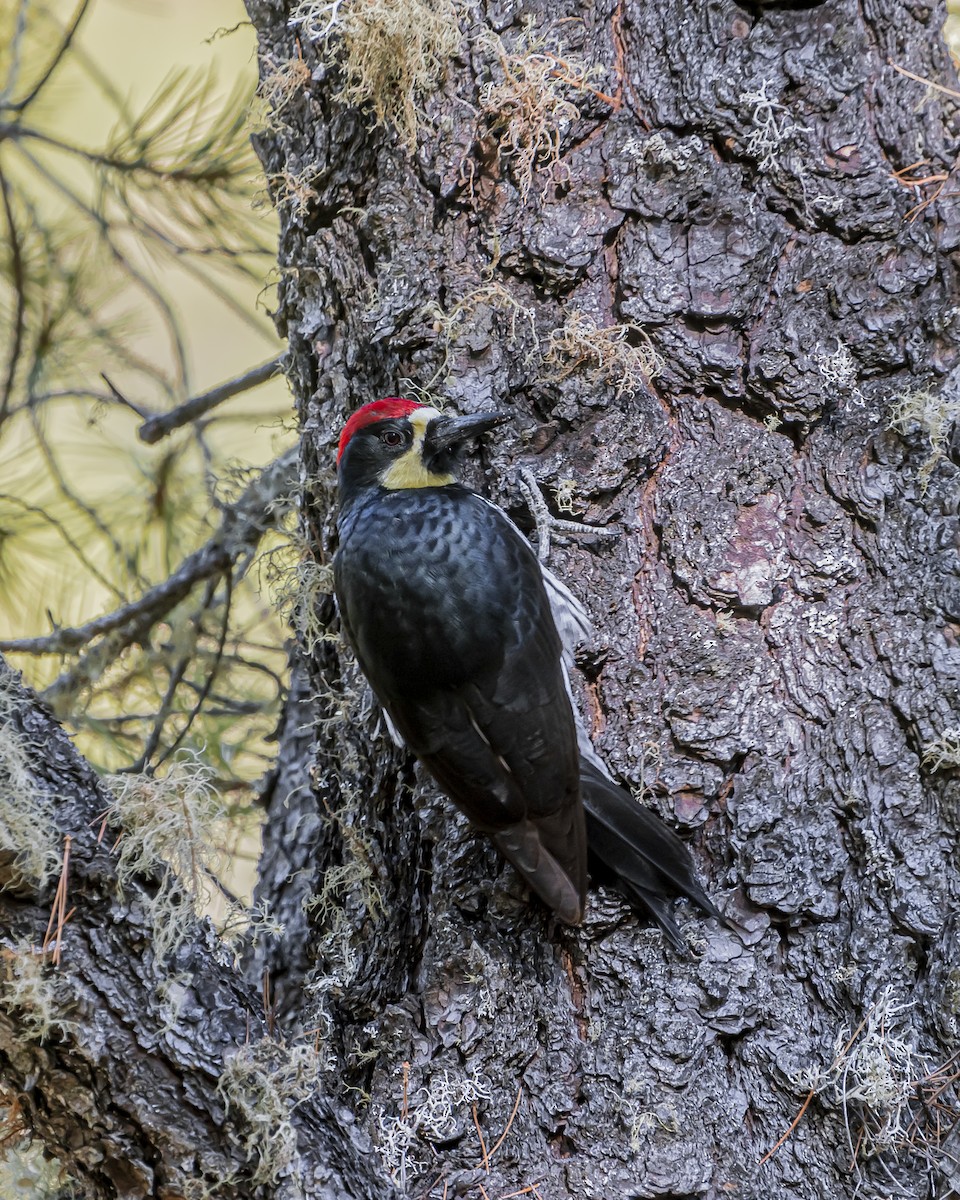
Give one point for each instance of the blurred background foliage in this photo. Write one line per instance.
(136, 263)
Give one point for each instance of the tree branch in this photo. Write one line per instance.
(120, 1078)
(242, 526)
(20, 286)
(158, 426)
(58, 57)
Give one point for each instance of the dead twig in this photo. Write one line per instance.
(937, 87)
(939, 178)
(160, 424)
(513, 1113)
(813, 1091)
(792, 1126)
(58, 913)
(483, 1145)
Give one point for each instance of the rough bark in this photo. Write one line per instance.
(122, 1084)
(776, 616)
(777, 646)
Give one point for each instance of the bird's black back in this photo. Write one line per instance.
(445, 606)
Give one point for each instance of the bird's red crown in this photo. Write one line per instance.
(376, 410)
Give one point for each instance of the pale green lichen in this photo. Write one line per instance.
(426, 1117)
(28, 834)
(393, 53)
(169, 827)
(350, 895)
(772, 128)
(620, 356)
(943, 753)
(261, 1085)
(932, 413)
(492, 295)
(299, 590)
(876, 1070)
(527, 106)
(891, 1100)
(31, 986)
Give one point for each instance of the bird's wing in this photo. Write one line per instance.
(570, 617)
(504, 749)
(392, 730)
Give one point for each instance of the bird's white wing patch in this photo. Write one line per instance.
(370, 706)
(392, 730)
(569, 615)
(575, 628)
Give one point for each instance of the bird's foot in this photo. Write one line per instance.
(547, 524)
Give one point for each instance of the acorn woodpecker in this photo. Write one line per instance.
(465, 640)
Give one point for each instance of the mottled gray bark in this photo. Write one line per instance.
(777, 616)
(120, 1065)
(777, 650)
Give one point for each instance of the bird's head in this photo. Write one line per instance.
(402, 444)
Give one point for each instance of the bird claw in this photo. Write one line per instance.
(547, 524)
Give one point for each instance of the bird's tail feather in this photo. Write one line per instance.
(523, 845)
(634, 850)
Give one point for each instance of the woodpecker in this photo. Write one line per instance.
(465, 640)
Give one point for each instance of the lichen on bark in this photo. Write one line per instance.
(775, 618)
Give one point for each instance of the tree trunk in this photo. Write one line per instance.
(775, 640)
(726, 321)
(143, 1076)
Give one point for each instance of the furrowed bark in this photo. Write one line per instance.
(123, 1087)
(777, 618)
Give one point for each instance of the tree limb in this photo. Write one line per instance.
(243, 524)
(159, 425)
(126, 1122)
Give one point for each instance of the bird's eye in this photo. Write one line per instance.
(391, 437)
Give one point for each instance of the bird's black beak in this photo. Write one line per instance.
(447, 433)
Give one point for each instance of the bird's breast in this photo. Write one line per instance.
(434, 586)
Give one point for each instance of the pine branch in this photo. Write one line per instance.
(242, 526)
(159, 425)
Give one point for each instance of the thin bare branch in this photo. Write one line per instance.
(120, 398)
(16, 52)
(243, 524)
(158, 426)
(211, 675)
(56, 60)
(20, 287)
